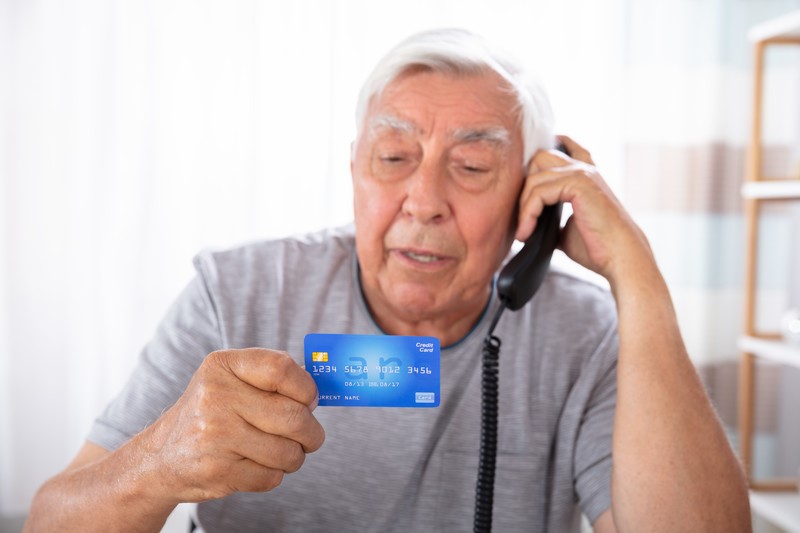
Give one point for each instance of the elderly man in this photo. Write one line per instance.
(451, 162)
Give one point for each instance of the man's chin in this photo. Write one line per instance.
(415, 307)
(411, 298)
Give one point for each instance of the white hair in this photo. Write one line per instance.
(459, 52)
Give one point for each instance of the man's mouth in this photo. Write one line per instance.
(422, 258)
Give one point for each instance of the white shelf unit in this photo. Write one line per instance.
(771, 190)
(777, 501)
(785, 27)
(780, 508)
(773, 350)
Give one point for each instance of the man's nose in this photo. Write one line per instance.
(427, 194)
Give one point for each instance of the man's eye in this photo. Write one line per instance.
(475, 170)
(392, 159)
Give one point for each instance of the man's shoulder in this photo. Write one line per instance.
(571, 296)
(284, 262)
(569, 280)
(313, 248)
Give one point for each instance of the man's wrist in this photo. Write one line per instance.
(634, 278)
(140, 480)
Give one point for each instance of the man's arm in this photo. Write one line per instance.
(243, 422)
(671, 455)
(605, 523)
(673, 468)
(95, 492)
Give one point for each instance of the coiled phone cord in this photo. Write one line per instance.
(484, 489)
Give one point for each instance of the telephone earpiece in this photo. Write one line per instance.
(524, 273)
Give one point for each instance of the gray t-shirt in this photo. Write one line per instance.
(398, 469)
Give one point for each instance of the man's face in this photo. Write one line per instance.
(436, 171)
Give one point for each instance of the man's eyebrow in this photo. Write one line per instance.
(494, 135)
(391, 122)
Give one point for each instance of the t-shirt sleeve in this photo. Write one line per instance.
(189, 331)
(593, 450)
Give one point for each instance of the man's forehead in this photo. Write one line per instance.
(469, 106)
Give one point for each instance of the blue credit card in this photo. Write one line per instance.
(374, 370)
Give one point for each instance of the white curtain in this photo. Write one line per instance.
(687, 121)
(135, 133)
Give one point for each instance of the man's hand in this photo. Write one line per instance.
(673, 467)
(243, 422)
(600, 235)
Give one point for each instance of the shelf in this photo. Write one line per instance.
(785, 27)
(777, 351)
(771, 190)
(780, 508)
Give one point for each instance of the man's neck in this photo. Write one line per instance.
(449, 327)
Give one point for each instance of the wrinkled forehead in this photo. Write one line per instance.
(474, 107)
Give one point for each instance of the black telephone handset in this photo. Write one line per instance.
(524, 273)
(516, 285)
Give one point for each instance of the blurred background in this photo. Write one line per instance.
(135, 133)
